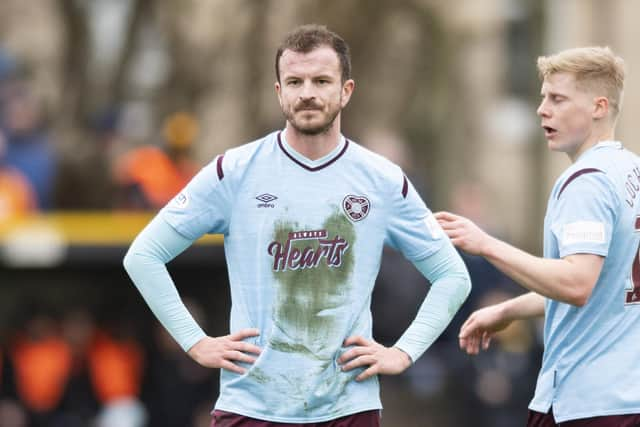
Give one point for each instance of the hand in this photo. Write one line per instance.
(222, 352)
(378, 358)
(464, 234)
(480, 327)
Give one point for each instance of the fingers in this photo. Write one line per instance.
(367, 373)
(468, 336)
(468, 327)
(354, 352)
(359, 356)
(235, 340)
(365, 360)
(243, 333)
(469, 345)
(356, 340)
(472, 337)
(453, 228)
(245, 347)
(445, 216)
(486, 340)
(239, 356)
(230, 366)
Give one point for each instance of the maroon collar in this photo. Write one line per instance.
(316, 168)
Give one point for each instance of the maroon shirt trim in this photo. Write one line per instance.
(219, 167)
(574, 176)
(317, 168)
(405, 187)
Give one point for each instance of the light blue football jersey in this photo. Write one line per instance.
(303, 242)
(590, 363)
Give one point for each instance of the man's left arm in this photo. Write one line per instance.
(450, 286)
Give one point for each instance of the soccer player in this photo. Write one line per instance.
(305, 213)
(587, 286)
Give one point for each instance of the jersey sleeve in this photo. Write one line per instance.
(204, 205)
(411, 229)
(584, 216)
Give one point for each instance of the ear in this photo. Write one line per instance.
(278, 92)
(347, 90)
(600, 107)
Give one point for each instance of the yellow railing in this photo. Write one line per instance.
(84, 228)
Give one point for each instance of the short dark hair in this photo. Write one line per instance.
(306, 38)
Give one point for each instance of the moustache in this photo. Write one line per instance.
(307, 105)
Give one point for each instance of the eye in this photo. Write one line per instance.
(293, 82)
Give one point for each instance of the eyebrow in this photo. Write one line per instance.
(552, 93)
(318, 77)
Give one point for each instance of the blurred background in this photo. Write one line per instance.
(108, 107)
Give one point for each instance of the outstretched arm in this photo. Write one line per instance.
(145, 262)
(478, 330)
(570, 279)
(450, 285)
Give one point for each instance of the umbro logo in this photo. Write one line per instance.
(266, 200)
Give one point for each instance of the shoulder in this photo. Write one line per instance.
(595, 176)
(379, 167)
(238, 158)
(578, 177)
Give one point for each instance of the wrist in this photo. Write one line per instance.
(487, 248)
(506, 311)
(194, 351)
(404, 356)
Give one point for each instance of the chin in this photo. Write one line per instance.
(554, 145)
(311, 128)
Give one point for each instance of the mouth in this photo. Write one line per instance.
(549, 132)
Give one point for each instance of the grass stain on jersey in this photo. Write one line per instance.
(287, 347)
(308, 298)
(258, 375)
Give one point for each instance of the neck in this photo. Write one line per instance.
(314, 147)
(598, 135)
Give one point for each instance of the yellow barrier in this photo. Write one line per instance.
(85, 228)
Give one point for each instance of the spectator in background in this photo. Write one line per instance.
(116, 368)
(79, 404)
(17, 197)
(41, 361)
(85, 179)
(469, 199)
(148, 177)
(177, 390)
(29, 147)
(12, 413)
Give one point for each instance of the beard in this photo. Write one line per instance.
(307, 128)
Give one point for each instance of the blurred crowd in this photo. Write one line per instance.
(111, 173)
(78, 369)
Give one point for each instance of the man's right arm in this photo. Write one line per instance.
(145, 262)
(570, 279)
(155, 246)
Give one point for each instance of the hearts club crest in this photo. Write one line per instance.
(356, 207)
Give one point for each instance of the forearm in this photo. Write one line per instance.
(145, 263)
(526, 306)
(558, 279)
(450, 286)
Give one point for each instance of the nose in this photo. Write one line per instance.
(307, 92)
(542, 110)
